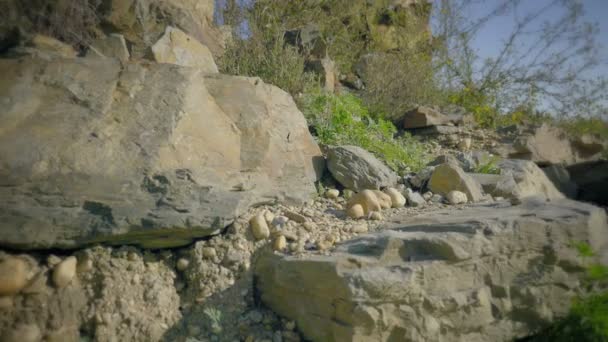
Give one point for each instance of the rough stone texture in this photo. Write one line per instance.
(176, 47)
(357, 169)
(559, 175)
(546, 144)
(448, 177)
(522, 178)
(154, 154)
(50, 44)
(143, 22)
(423, 117)
(112, 46)
(511, 271)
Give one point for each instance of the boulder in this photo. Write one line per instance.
(176, 47)
(423, 117)
(449, 177)
(547, 145)
(520, 179)
(357, 169)
(112, 46)
(93, 151)
(488, 273)
(143, 22)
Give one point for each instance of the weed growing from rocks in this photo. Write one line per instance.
(344, 120)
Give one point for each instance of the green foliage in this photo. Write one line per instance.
(344, 120)
(215, 318)
(579, 126)
(488, 166)
(265, 54)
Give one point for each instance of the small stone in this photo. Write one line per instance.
(309, 226)
(356, 211)
(414, 198)
(465, 144)
(132, 256)
(279, 222)
(182, 264)
(52, 260)
(376, 216)
(209, 253)
(397, 199)
(64, 272)
(259, 227)
(332, 193)
(37, 284)
(296, 217)
(437, 198)
(84, 265)
(13, 275)
(368, 201)
(269, 216)
(456, 197)
(280, 243)
(359, 229)
(384, 199)
(427, 195)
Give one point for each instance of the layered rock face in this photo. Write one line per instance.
(480, 274)
(152, 154)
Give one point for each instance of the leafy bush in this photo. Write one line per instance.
(265, 54)
(488, 166)
(344, 120)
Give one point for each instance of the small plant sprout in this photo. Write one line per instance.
(215, 316)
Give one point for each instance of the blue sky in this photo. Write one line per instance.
(491, 38)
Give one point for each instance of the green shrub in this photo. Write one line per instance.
(264, 53)
(344, 120)
(488, 166)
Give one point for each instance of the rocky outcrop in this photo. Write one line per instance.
(486, 273)
(154, 154)
(357, 169)
(547, 144)
(522, 179)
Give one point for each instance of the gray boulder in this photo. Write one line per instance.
(491, 273)
(152, 154)
(357, 169)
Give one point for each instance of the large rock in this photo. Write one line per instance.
(450, 177)
(424, 117)
(546, 144)
(357, 169)
(143, 22)
(176, 47)
(154, 154)
(481, 274)
(560, 177)
(521, 178)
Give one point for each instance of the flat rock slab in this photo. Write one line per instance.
(485, 273)
(92, 151)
